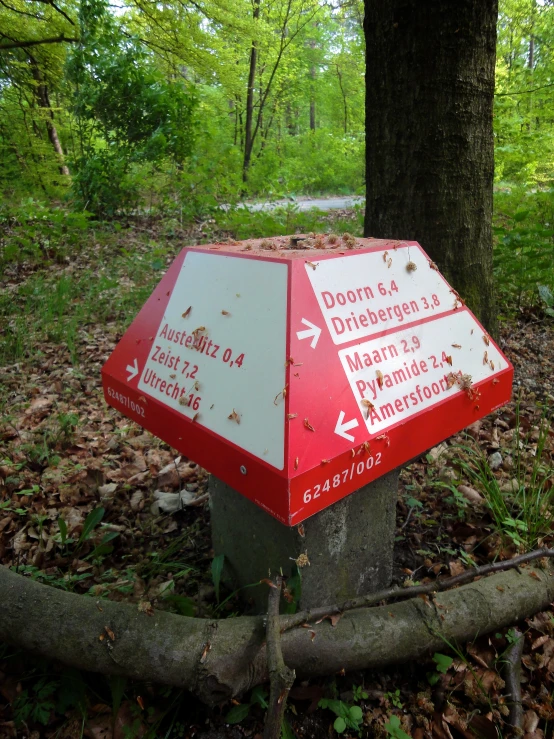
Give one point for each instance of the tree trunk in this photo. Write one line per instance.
(344, 102)
(248, 133)
(218, 659)
(312, 45)
(312, 99)
(43, 100)
(429, 138)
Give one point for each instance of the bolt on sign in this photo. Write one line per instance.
(298, 370)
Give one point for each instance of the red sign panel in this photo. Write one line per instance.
(299, 375)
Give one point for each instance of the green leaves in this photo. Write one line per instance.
(442, 661)
(286, 730)
(63, 530)
(36, 703)
(394, 730)
(524, 249)
(348, 717)
(521, 215)
(293, 590)
(217, 569)
(547, 298)
(129, 112)
(91, 522)
(240, 712)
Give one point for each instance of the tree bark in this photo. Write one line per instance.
(220, 659)
(312, 99)
(43, 99)
(248, 132)
(429, 138)
(344, 102)
(281, 677)
(8, 45)
(312, 45)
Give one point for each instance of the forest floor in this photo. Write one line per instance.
(78, 512)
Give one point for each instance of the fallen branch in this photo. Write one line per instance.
(512, 677)
(437, 586)
(281, 677)
(218, 659)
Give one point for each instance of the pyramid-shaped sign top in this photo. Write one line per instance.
(298, 370)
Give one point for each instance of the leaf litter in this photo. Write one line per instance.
(65, 456)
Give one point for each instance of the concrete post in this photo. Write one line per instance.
(349, 545)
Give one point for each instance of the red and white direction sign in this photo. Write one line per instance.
(299, 375)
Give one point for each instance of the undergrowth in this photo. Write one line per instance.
(524, 246)
(522, 513)
(108, 270)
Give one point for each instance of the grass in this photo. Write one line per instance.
(80, 274)
(522, 516)
(242, 224)
(56, 308)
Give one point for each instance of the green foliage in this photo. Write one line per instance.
(524, 101)
(71, 692)
(46, 307)
(547, 297)
(128, 114)
(91, 522)
(50, 439)
(314, 162)
(242, 223)
(39, 232)
(35, 703)
(183, 605)
(443, 663)
(62, 582)
(394, 729)
(521, 516)
(238, 713)
(31, 85)
(62, 525)
(293, 590)
(524, 250)
(117, 684)
(524, 151)
(348, 717)
(217, 569)
(286, 730)
(359, 693)
(150, 107)
(394, 698)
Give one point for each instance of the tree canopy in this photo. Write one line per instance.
(211, 99)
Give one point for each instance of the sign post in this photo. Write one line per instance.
(299, 370)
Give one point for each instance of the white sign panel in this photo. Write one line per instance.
(363, 295)
(405, 372)
(219, 353)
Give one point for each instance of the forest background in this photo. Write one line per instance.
(173, 109)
